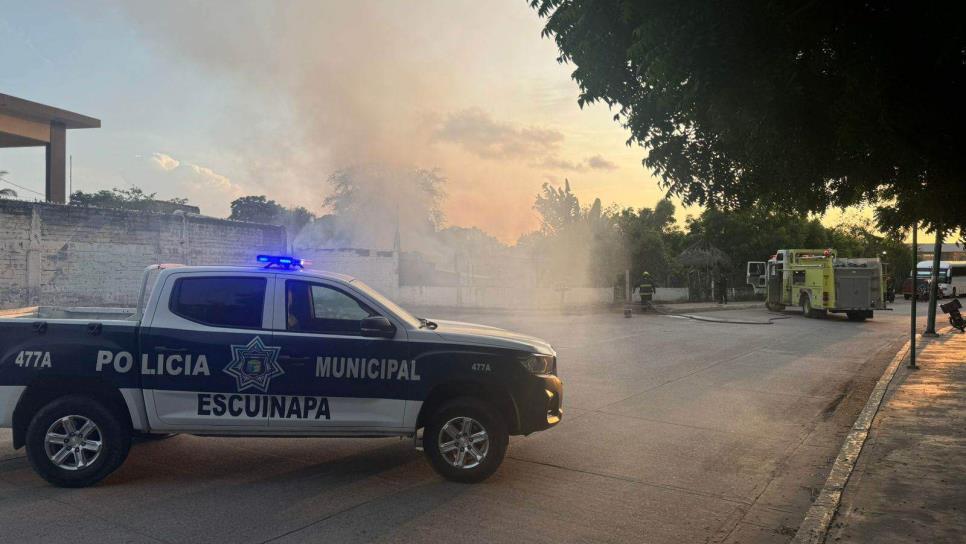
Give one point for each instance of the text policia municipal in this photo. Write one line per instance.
(197, 365)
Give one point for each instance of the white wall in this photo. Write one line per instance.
(379, 269)
(505, 297)
(671, 294)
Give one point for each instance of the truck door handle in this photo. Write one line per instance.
(171, 350)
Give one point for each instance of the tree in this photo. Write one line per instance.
(651, 240)
(558, 207)
(412, 196)
(6, 192)
(796, 106)
(133, 198)
(255, 209)
(375, 206)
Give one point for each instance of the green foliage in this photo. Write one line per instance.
(375, 190)
(593, 246)
(259, 209)
(755, 235)
(784, 105)
(255, 209)
(558, 207)
(6, 192)
(651, 240)
(133, 198)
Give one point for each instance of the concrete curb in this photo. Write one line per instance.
(814, 528)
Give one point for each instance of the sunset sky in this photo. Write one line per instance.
(214, 100)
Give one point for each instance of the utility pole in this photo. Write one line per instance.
(934, 283)
(915, 297)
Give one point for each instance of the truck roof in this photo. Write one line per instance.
(307, 272)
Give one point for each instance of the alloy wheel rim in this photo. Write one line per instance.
(463, 442)
(73, 442)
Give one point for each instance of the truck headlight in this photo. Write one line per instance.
(540, 364)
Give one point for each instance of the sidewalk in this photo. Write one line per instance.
(909, 484)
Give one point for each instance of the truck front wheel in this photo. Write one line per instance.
(466, 440)
(76, 441)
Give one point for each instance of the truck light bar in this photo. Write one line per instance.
(281, 261)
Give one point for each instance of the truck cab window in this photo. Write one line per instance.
(312, 307)
(220, 301)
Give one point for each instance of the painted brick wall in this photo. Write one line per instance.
(53, 254)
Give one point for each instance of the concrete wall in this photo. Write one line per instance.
(505, 297)
(53, 254)
(670, 294)
(379, 269)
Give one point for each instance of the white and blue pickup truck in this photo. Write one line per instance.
(272, 350)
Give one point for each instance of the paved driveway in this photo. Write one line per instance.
(675, 430)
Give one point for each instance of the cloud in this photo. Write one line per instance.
(200, 184)
(556, 163)
(165, 162)
(598, 162)
(208, 177)
(477, 132)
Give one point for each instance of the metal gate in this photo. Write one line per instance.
(853, 292)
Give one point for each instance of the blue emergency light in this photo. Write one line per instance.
(280, 261)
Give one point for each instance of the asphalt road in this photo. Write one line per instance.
(674, 430)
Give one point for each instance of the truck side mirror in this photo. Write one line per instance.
(378, 326)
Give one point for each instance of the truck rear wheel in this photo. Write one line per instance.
(76, 441)
(466, 440)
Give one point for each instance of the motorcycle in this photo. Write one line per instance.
(955, 318)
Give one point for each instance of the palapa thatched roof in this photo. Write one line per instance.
(704, 254)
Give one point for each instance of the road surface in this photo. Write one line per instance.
(675, 430)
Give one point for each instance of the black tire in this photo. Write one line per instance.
(957, 323)
(112, 430)
(488, 418)
(856, 316)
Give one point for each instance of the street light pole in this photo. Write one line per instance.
(915, 297)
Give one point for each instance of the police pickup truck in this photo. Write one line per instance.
(274, 351)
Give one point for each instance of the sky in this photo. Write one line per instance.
(212, 100)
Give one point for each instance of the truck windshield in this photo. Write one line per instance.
(386, 303)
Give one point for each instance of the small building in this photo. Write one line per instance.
(28, 124)
(950, 252)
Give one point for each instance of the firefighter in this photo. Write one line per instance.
(722, 288)
(646, 289)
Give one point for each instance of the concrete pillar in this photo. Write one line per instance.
(57, 164)
(34, 260)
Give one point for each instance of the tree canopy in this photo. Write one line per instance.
(133, 198)
(259, 209)
(797, 106)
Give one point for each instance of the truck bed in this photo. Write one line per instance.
(85, 313)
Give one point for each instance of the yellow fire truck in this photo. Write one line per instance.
(820, 282)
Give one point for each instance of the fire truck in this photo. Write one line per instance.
(820, 282)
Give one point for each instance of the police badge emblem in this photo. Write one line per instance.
(254, 365)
